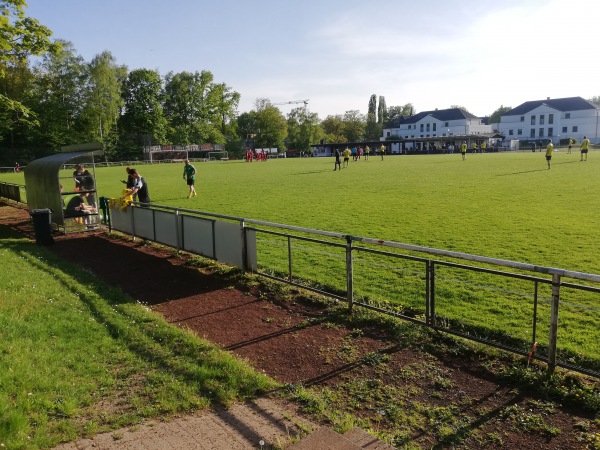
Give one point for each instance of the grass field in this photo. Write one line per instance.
(50, 311)
(500, 205)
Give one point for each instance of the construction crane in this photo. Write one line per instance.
(294, 102)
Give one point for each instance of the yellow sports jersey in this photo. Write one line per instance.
(585, 144)
(382, 149)
(484, 145)
(463, 148)
(549, 149)
(367, 150)
(347, 153)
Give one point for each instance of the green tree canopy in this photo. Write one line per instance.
(270, 125)
(20, 38)
(303, 129)
(143, 121)
(58, 97)
(495, 117)
(354, 126)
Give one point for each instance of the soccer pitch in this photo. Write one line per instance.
(501, 205)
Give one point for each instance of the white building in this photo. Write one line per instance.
(555, 119)
(438, 123)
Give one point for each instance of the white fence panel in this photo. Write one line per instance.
(198, 236)
(143, 221)
(166, 227)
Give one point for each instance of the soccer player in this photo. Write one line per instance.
(382, 149)
(549, 150)
(367, 151)
(189, 174)
(570, 145)
(346, 157)
(463, 150)
(585, 145)
(338, 163)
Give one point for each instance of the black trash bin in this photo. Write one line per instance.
(42, 225)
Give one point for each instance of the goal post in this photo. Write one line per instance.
(222, 155)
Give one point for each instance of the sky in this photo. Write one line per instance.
(480, 54)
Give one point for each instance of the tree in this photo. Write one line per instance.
(373, 129)
(395, 112)
(270, 125)
(595, 100)
(143, 121)
(196, 108)
(354, 126)
(20, 38)
(303, 129)
(333, 127)
(103, 99)
(495, 117)
(58, 97)
(462, 108)
(16, 119)
(381, 111)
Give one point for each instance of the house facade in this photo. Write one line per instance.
(551, 119)
(435, 124)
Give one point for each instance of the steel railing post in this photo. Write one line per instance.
(553, 322)
(349, 274)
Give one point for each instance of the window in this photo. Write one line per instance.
(422, 127)
(434, 126)
(406, 137)
(427, 127)
(564, 129)
(575, 129)
(550, 119)
(522, 118)
(520, 131)
(388, 134)
(532, 133)
(541, 132)
(446, 124)
(550, 132)
(532, 120)
(541, 119)
(510, 132)
(567, 115)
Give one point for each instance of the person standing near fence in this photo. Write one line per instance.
(189, 174)
(78, 177)
(140, 187)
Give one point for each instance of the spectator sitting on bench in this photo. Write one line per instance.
(78, 208)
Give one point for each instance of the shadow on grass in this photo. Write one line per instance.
(217, 375)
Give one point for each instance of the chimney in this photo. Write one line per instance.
(547, 98)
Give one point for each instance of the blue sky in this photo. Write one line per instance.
(434, 53)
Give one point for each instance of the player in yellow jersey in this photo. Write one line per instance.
(463, 150)
(570, 145)
(549, 150)
(585, 145)
(346, 157)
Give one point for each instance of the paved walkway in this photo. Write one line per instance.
(260, 424)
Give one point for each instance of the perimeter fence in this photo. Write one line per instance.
(505, 304)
